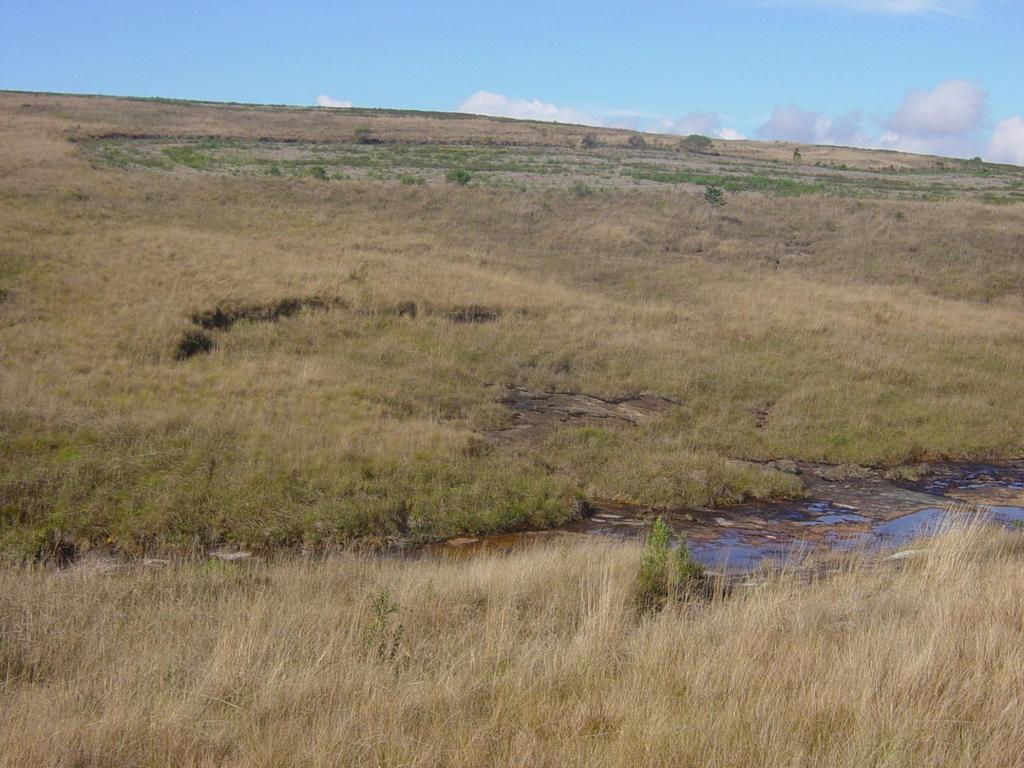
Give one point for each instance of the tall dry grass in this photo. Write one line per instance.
(537, 658)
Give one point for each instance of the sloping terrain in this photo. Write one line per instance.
(360, 292)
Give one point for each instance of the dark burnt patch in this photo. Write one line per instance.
(193, 343)
(473, 313)
(132, 136)
(223, 317)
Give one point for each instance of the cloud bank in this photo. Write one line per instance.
(948, 119)
(944, 120)
(327, 101)
(499, 105)
(1007, 145)
(791, 123)
(953, 108)
(703, 123)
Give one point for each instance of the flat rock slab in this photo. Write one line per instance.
(535, 413)
(231, 556)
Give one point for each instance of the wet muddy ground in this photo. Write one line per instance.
(855, 510)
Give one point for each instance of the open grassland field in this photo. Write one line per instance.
(535, 659)
(273, 326)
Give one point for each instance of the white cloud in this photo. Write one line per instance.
(1007, 145)
(942, 121)
(792, 123)
(889, 7)
(946, 120)
(497, 105)
(947, 146)
(954, 107)
(327, 101)
(703, 123)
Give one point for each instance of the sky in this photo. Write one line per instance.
(935, 76)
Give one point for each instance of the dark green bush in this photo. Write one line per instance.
(459, 176)
(667, 572)
(696, 143)
(582, 190)
(714, 196)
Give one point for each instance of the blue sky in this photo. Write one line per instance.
(924, 75)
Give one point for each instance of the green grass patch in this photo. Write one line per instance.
(781, 187)
(190, 157)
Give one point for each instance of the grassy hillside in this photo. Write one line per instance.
(283, 326)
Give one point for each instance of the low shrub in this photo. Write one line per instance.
(696, 143)
(384, 632)
(714, 196)
(582, 190)
(666, 572)
(365, 136)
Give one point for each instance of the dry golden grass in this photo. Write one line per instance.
(872, 331)
(532, 659)
(817, 327)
